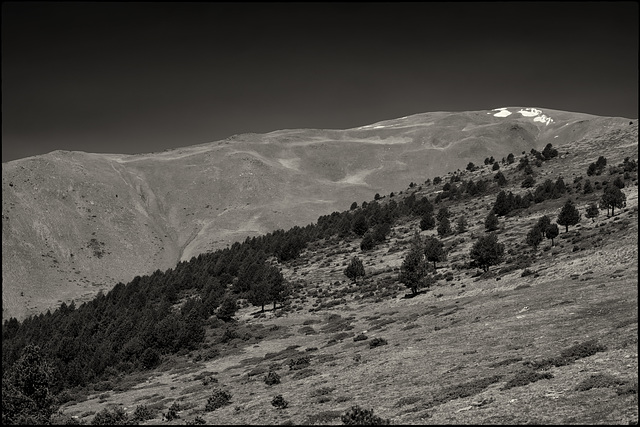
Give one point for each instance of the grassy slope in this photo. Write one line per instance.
(149, 211)
(445, 346)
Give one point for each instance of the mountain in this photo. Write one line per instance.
(75, 223)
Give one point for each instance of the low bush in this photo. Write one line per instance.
(526, 376)
(279, 402)
(172, 413)
(299, 363)
(272, 378)
(376, 342)
(359, 416)
(115, 416)
(360, 337)
(143, 413)
(599, 381)
(218, 399)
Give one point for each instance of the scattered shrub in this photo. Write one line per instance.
(360, 337)
(376, 342)
(143, 413)
(525, 377)
(218, 399)
(172, 413)
(279, 402)
(196, 421)
(599, 381)
(359, 416)
(272, 378)
(300, 363)
(115, 416)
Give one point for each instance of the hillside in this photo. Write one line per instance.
(547, 336)
(75, 223)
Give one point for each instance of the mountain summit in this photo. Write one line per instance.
(75, 223)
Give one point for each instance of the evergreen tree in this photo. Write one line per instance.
(434, 250)
(487, 251)
(444, 227)
(501, 206)
(592, 211)
(534, 237)
(510, 158)
(587, 188)
(569, 215)
(461, 225)
(360, 224)
(355, 269)
(613, 197)
(500, 179)
(427, 222)
(227, 308)
(495, 166)
(443, 213)
(414, 271)
(491, 222)
(552, 232)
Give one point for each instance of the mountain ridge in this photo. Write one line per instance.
(75, 222)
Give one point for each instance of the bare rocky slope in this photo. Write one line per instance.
(74, 223)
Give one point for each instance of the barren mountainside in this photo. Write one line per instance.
(74, 222)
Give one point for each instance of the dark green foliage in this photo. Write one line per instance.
(279, 402)
(364, 417)
(217, 400)
(196, 421)
(495, 166)
(360, 337)
(471, 167)
(377, 196)
(500, 178)
(569, 215)
(592, 211)
(618, 182)
(569, 355)
(354, 205)
(491, 222)
(444, 227)
(487, 251)
(528, 182)
(437, 180)
(272, 378)
(355, 269)
(368, 242)
(510, 158)
(549, 152)
(111, 417)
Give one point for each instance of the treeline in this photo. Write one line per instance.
(133, 325)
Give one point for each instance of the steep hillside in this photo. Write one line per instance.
(74, 223)
(547, 336)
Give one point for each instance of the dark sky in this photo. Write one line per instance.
(141, 77)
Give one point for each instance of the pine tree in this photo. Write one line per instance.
(427, 222)
(414, 271)
(487, 251)
(491, 222)
(434, 250)
(444, 227)
(534, 237)
(355, 269)
(613, 197)
(461, 225)
(592, 211)
(569, 215)
(552, 232)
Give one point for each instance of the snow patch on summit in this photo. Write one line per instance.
(535, 113)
